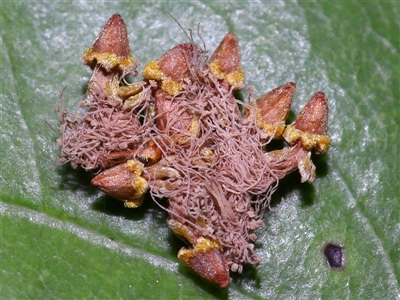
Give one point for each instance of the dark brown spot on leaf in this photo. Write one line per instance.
(335, 256)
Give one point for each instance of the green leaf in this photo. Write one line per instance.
(61, 238)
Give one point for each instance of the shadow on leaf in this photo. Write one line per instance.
(75, 180)
(248, 277)
(110, 206)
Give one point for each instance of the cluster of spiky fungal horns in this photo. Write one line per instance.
(180, 134)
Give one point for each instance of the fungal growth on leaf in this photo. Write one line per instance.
(180, 134)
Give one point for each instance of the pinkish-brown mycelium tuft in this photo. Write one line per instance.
(180, 134)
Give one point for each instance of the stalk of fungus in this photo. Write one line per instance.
(190, 143)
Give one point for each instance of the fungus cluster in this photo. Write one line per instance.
(180, 134)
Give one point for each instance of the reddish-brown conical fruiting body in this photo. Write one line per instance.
(275, 105)
(207, 260)
(212, 266)
(174, 63)
(110, 59)
(227, 53)
(310, 127)
(170, 69)
(225, 62)
(273, 109)
(113, 38)
(314, 116)
(123, 182)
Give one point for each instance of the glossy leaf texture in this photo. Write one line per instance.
(61, 238)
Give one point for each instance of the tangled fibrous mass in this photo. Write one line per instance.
(182, 135)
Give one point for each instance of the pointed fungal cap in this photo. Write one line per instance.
(273, 109)
(314, 116)
(113, 38)
(170, 69)
(207, 259)
(225, 62)
(111, 47)
(310, 127)
(123, 182)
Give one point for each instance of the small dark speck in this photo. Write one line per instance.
(112, 239)
(335, 256)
